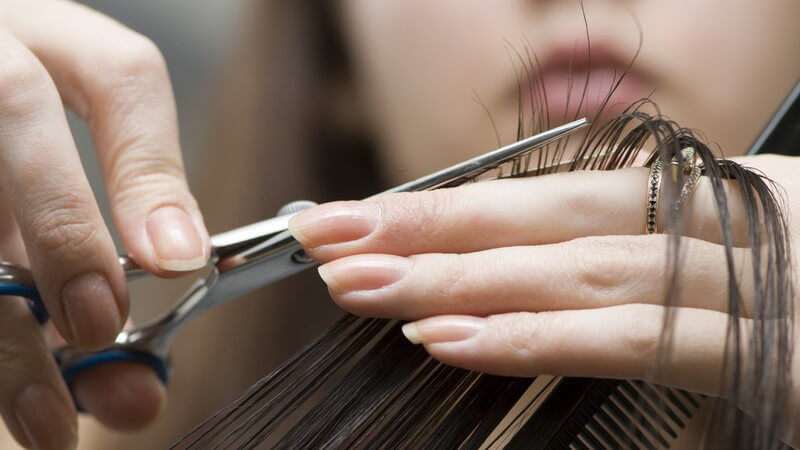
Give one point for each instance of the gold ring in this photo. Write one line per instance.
(695, 171)
(692, 171)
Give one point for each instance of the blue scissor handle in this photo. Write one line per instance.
(69, 372)
(156, 363)
(31, 294)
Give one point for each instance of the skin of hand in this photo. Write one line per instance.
(59, 54)
(524, 278)
(547, 275)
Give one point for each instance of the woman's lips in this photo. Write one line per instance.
(587, 90)
(576, 85)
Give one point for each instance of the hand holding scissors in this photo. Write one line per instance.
(242, 260)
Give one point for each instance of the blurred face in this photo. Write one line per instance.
(719, 66)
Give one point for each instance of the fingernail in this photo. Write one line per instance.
(44, 418)
(91, 311)
(364, 272)
(443, 329)
(334, 223)
(176, 242)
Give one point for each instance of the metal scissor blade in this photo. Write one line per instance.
(234, 247)
(475, 166)
(249, 235)
(559, 166)
(282, 256)
(225, 243)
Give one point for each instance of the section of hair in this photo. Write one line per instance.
(361, 385)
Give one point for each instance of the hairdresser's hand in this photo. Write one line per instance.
(548, 275)
(56, 54)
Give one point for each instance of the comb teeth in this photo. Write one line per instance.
(609, 414)
(638, 416)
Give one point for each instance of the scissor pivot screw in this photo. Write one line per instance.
(300, 257)
(295, 207)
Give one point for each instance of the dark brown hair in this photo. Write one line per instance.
(363, 383)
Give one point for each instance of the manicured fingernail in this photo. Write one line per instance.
(176, 242)
(364, 272)
(443, 329)
(91, 311)
(44, 418)
(334, 223)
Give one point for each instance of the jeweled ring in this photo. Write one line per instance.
(695, 171)
(653, 190)
(692, 171)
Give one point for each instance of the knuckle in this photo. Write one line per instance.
(581, 203)
(134, 73)
(61, 224)
(12, 360)
(66, 233)
(13, 349)
(605, 269)
(451, 280)
(139, 56)
(137, 171)
(641, 336)
(21, 76)
(523, 334)
(19, 341)
(416, 214)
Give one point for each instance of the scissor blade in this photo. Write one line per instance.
(249, 235)
(269, 232)
(277, 257)
(560, 166)
(479, 164)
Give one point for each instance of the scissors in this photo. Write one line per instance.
(242, 260)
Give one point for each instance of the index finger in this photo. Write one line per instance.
(72, 256)
(479, 216)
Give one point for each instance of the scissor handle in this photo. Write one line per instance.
(31, 295)
(75, 365)
(72, 369)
